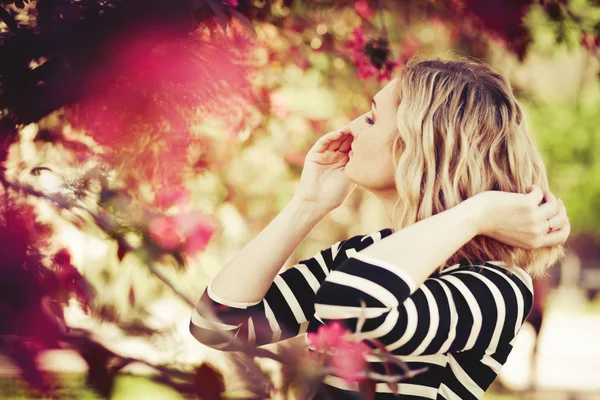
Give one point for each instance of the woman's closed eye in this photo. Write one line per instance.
(369, 120)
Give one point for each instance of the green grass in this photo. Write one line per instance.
(72, 386)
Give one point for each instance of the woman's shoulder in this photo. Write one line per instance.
(363, 240)
(492, 270)
(356, 243)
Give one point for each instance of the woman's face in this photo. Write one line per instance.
(370, 164)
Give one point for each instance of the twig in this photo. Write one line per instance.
(391, 358)
(238, 344)
(396, 378)
(377, 376)
(163, 278)
(9, 20)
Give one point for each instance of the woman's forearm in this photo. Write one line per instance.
(250, 273)
(422, 247)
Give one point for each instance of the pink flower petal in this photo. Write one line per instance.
(328, 336)
(163, 230)
(363, 9)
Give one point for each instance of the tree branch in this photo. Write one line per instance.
(9, 20)
(110, 221)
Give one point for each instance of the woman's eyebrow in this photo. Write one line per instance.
(374, 104)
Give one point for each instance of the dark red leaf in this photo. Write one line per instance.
(38, 170)
(367, 389)
(131, 296)
(99, 377)
(219, 13)
(121, 250)
(24, 357)
(210, 383)
(554, 11)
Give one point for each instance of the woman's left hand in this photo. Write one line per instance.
(520, 220)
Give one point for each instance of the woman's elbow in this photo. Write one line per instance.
(212, 332)
(211, 338)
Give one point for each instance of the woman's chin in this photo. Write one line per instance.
(348, 170)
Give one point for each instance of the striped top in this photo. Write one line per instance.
(460, 324)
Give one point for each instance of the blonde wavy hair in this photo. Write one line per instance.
(460, 132)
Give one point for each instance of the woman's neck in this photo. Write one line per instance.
(388, 199)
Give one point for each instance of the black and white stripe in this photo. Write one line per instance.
(460, 324)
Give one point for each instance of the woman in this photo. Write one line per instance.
(446, 150)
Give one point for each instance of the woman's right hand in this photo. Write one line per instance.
(530, 221)
(323, 182)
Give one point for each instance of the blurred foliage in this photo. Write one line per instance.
(569, 138)
(197, 134)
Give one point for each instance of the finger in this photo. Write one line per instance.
(550, 208)
(335, 144)
(557, 237)
(563, 209)
(562, 206)
(329, 158)
(558, 221)
(346, 143)
(535, 194)
(324, 141)
(561, 219)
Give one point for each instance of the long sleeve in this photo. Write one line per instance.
(479, 307)
(286, 309)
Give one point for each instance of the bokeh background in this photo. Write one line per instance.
(144, 143)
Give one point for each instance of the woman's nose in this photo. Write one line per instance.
(355, 126)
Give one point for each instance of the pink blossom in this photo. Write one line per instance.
(233, 3)
(363, 9)
(350, 363)
(197, 242)
(359, 41)
(410, 45)
(385, 74)
(328, 336)
(190, 231)
(125, 109)
(164, 231)
(590, 42)
(197, 230)
(364, 67)
(172, 196)
(348, 357)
